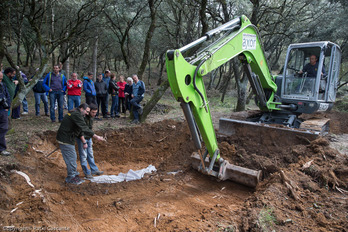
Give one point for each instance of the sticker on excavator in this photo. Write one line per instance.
(323, 107)
(249, 41)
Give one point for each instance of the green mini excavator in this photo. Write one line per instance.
(281, 98)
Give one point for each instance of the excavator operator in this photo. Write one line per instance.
(312, 67)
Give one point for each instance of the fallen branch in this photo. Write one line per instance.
(26, 177)
(160, 140)
(335, 179)
(341, 190)
(292, 191)
(39, 151)
(307, 165)
(289, 184)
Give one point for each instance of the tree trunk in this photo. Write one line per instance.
(221, 71)
(203, 17)
(94, 58)
(227, 79)
(162, 60)
(65, 57)
(2, 35)
(52, 35)
(212, 78)
(149, 75)
(242, 93)
(154, 99)
(149, 35)
(241, 82)
(24, 90)
(66, 67)
(19, 46)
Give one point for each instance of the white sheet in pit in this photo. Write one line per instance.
(129, 176)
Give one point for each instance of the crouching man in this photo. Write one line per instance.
(86, 155)
(72, 124)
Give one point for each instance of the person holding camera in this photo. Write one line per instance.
(5, 102)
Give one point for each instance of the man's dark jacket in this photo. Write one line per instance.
(73, 123)
(101, 88)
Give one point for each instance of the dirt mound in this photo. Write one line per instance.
(306, 195)
(304, 186)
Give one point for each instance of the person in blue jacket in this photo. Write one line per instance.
(89, 88)
(40, 95)
(55, 86)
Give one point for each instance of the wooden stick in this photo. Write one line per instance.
(52, 152)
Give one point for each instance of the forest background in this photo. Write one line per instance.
(132, 36)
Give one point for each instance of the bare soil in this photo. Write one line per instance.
(304, 186)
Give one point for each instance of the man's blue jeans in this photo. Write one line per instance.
(25, 104)
(86, 156)
(106, 104)
(59, 96)
(38, 97)
(135, 103)
(74, 101)
(3, 129)
(114, 105)
(69, 156)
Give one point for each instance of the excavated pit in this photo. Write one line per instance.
(176, 197)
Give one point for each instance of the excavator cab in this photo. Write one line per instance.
(311, 86)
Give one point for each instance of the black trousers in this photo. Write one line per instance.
(101, 101)
(91, 99)
(121, 103)
(3, 129)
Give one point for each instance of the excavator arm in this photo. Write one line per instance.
(185, 74)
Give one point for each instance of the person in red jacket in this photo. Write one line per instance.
(74, 87)
(121, 98)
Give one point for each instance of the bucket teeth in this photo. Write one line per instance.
(227, 171)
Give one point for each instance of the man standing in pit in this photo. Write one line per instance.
(86, 155)
(72, 124)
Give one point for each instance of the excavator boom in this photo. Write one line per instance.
(185, 78)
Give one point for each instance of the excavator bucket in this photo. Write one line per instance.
(227, 171)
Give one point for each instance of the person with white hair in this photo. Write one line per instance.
(128, 89)
(137, 97)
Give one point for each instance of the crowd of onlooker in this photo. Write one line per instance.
(111, 95)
